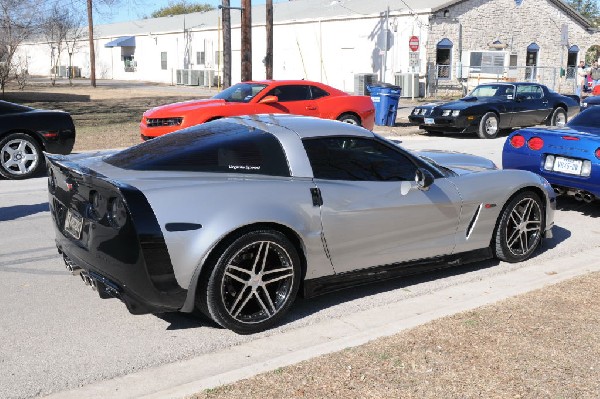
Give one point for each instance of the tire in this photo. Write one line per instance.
(520, 227)
(488, 126)
(559, 117)
(20, 156)
(349, 118)
(238, 297)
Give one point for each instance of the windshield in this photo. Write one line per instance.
(493, 91)
(241, 92)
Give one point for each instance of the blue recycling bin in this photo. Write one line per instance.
(385, 98)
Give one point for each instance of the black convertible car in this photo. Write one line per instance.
(494, 106)
(25, 132)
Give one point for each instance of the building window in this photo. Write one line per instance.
(163, 60)
(443, 59)
(572, 57)
(489, 62)
(200, 58)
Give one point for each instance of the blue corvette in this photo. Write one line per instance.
(568, 157)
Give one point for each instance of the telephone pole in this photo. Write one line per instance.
(246, 40)
(226, 43)
(269, 55)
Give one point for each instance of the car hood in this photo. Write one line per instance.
(181, 108)
(465, 103)
(458, 162)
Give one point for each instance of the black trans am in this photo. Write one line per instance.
(25, 132)
(495, 106)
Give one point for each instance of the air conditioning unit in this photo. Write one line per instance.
(195, 77)
(209, 75)
(408, 82)
(361, 81)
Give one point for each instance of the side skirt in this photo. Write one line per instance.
(323, 285)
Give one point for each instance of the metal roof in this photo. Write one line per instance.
(294, 11)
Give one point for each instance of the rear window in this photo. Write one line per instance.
(218, 146)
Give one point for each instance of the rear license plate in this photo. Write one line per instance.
(429, 121)
(73, 224)
(567, 165)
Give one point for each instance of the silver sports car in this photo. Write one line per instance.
(235, 217)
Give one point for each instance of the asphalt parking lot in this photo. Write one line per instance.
(59, 338)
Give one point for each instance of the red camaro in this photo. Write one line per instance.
(299, 97)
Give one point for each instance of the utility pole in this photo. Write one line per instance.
(91, 39)
(226, 43)
(246, 40)
(269, 55)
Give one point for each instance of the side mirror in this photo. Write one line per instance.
(269, 100)
(424, 179)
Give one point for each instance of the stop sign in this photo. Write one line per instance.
(413, 43)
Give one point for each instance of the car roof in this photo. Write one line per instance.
(303, 126)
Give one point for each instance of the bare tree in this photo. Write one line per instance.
(55, 27)
(17, 23)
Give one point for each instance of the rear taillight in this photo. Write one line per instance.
(97, 205)
(597, 153)
(535, 143)
(517, 141)
(117, 212)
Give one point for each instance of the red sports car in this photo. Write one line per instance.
(299, 97)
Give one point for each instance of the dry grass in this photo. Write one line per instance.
(543, 344)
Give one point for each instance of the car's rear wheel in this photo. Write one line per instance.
(349, 118)
(488, 126)
(254, 282)
(559, 117)
(20, 156)
(520, 228)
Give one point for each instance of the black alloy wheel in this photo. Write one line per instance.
(520, 228)
(254, 282)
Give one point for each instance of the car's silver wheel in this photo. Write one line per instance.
(559, 117)
(488, 126)
(349, 118)
(520, 228)
(20, 156)
(254, 282)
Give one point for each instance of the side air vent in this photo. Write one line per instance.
(473, 221)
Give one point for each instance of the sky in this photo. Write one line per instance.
(130, 10)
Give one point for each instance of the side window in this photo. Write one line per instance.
(317, 92)
(291, 93)
(531, 92)
(354, 158)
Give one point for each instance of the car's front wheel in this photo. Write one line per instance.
(488, 126)
(254, 282)
(349, 118)
(20, 156)
(520, 228)
(559, 117)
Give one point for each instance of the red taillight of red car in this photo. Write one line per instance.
(535, 143)
(597, 153)
(517, 141)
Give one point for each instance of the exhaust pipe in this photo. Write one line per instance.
(559, 191)
(85, 277)
(588, 197)
(71, 267)
(578, 196)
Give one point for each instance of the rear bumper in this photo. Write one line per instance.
(130, 263)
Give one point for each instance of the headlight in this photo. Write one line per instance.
(416, 111)
(446, 112)
(456, 112)
(117, 212)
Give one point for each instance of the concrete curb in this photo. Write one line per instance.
(208, 371)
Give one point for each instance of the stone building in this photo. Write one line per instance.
(424, 45)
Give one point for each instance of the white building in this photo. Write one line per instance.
(333, 41)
